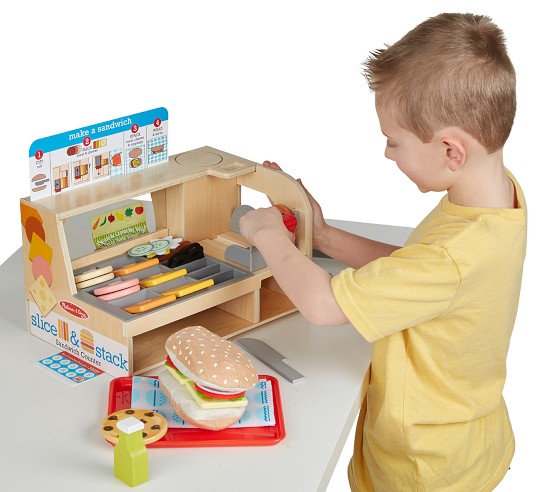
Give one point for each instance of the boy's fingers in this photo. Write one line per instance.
(272, 164)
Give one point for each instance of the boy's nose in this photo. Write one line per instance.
(387, 155)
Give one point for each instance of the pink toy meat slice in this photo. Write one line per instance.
(116, 286)
(119, 293)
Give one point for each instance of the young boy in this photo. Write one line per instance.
(441, 309)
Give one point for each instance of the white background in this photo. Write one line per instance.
(282, 81)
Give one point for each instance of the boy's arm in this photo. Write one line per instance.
(350, 249)
(306, 284)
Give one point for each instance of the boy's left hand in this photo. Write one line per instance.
(263, 219)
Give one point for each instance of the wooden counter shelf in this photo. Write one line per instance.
(194, 196)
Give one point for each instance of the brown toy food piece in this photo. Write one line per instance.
(182, 245)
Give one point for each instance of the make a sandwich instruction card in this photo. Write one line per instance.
(101, 151)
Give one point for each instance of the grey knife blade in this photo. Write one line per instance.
(269, 356)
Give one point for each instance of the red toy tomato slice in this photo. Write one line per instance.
(219, 396)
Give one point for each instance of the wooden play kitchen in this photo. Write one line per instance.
(194, 195)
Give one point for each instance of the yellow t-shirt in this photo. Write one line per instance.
(441, 312)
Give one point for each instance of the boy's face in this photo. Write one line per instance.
(422, 163)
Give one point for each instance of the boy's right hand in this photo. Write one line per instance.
(319, 225)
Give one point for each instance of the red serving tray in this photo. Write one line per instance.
(177, 437)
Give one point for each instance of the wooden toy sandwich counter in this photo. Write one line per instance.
(114, 310)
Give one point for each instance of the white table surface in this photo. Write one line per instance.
(51, 440)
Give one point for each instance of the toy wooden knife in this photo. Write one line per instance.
(269, 356)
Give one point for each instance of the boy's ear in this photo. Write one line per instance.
(455, 148)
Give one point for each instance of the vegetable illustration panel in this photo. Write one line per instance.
(118, 225)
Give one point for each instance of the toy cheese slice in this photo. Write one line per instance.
(136, 267)
(147, 304)
(186, 289)
(161, 278)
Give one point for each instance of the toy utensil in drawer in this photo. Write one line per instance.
(162, 277)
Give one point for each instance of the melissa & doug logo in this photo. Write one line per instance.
(73, 309)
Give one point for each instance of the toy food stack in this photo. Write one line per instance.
(194, 196)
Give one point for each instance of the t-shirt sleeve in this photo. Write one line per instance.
(415, 284)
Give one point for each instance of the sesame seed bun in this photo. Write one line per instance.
(210, 360)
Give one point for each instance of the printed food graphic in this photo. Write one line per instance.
(87, 341)
(81, 171)
(116, 159)
(73, 150)
(60, 177)
(43, 295)
(136, 152)
(39, 182)
(135, 158)
(40, 256)
(101, 166)
(121, 224)
(157, 149)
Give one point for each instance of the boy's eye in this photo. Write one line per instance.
(390, 145)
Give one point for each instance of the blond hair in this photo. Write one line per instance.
(451, 70)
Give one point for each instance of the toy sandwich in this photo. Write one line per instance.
(206, 378)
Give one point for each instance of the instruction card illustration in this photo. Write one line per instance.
(96, 152)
